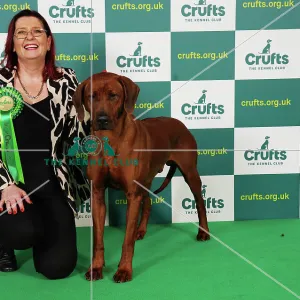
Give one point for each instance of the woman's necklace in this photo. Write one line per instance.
(27, 94)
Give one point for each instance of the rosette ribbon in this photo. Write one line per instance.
(11, 105)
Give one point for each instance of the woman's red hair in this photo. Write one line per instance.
(50, 70)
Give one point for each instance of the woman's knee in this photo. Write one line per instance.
(58, 269)
(53, 273)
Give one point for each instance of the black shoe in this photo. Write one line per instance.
(8, 261)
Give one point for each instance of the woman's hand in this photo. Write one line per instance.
(12, 196)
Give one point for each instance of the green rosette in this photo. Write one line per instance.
(11, 105)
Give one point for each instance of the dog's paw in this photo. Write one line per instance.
(122, 275)
(94, 274)
(203, 236)
(140, 234)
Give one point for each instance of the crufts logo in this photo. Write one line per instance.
(68, 12)
(264, 156)
(139, 61)
(85, 208)
(202, 110)
(212, 204)
(266, 59)
(208, 12)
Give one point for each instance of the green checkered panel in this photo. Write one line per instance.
(228, 69)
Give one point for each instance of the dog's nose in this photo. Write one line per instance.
(102, 121)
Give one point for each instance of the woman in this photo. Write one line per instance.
(40, 211)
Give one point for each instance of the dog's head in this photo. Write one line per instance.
(107, 97)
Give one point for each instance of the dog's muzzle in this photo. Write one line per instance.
(103, 122)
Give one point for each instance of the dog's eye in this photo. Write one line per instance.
(112, 96)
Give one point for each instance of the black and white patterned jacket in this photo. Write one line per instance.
(65, 126)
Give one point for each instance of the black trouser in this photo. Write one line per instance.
(48, 226)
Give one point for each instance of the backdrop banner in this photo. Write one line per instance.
(232, 84)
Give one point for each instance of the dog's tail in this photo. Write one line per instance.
(168, 178)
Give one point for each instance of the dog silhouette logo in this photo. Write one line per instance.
(201, 2)
(265, 145)
(202, 99)
(138, 50)
(204, 191)
(75, 148)
(266, 50)
(70, 3)
(107, 149)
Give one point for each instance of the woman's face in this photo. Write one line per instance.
(30, 47)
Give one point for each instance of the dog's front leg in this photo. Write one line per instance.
(98, 214)
(124, 272)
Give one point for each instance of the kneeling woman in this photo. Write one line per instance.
(38, 212)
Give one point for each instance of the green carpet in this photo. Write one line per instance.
(170, 264)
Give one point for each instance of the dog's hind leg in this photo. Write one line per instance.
(195, 184)
(187, 163)
(193, 180)
(146, 210)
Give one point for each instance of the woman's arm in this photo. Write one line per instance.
(73, 127)
(5, 178)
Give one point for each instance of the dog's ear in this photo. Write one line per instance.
(78, 100)
(131, 91)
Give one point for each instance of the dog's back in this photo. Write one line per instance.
(165, 125)
(169, 133)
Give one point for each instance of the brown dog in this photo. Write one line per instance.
(110, 102)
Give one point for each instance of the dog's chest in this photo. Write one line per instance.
(119, 168)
